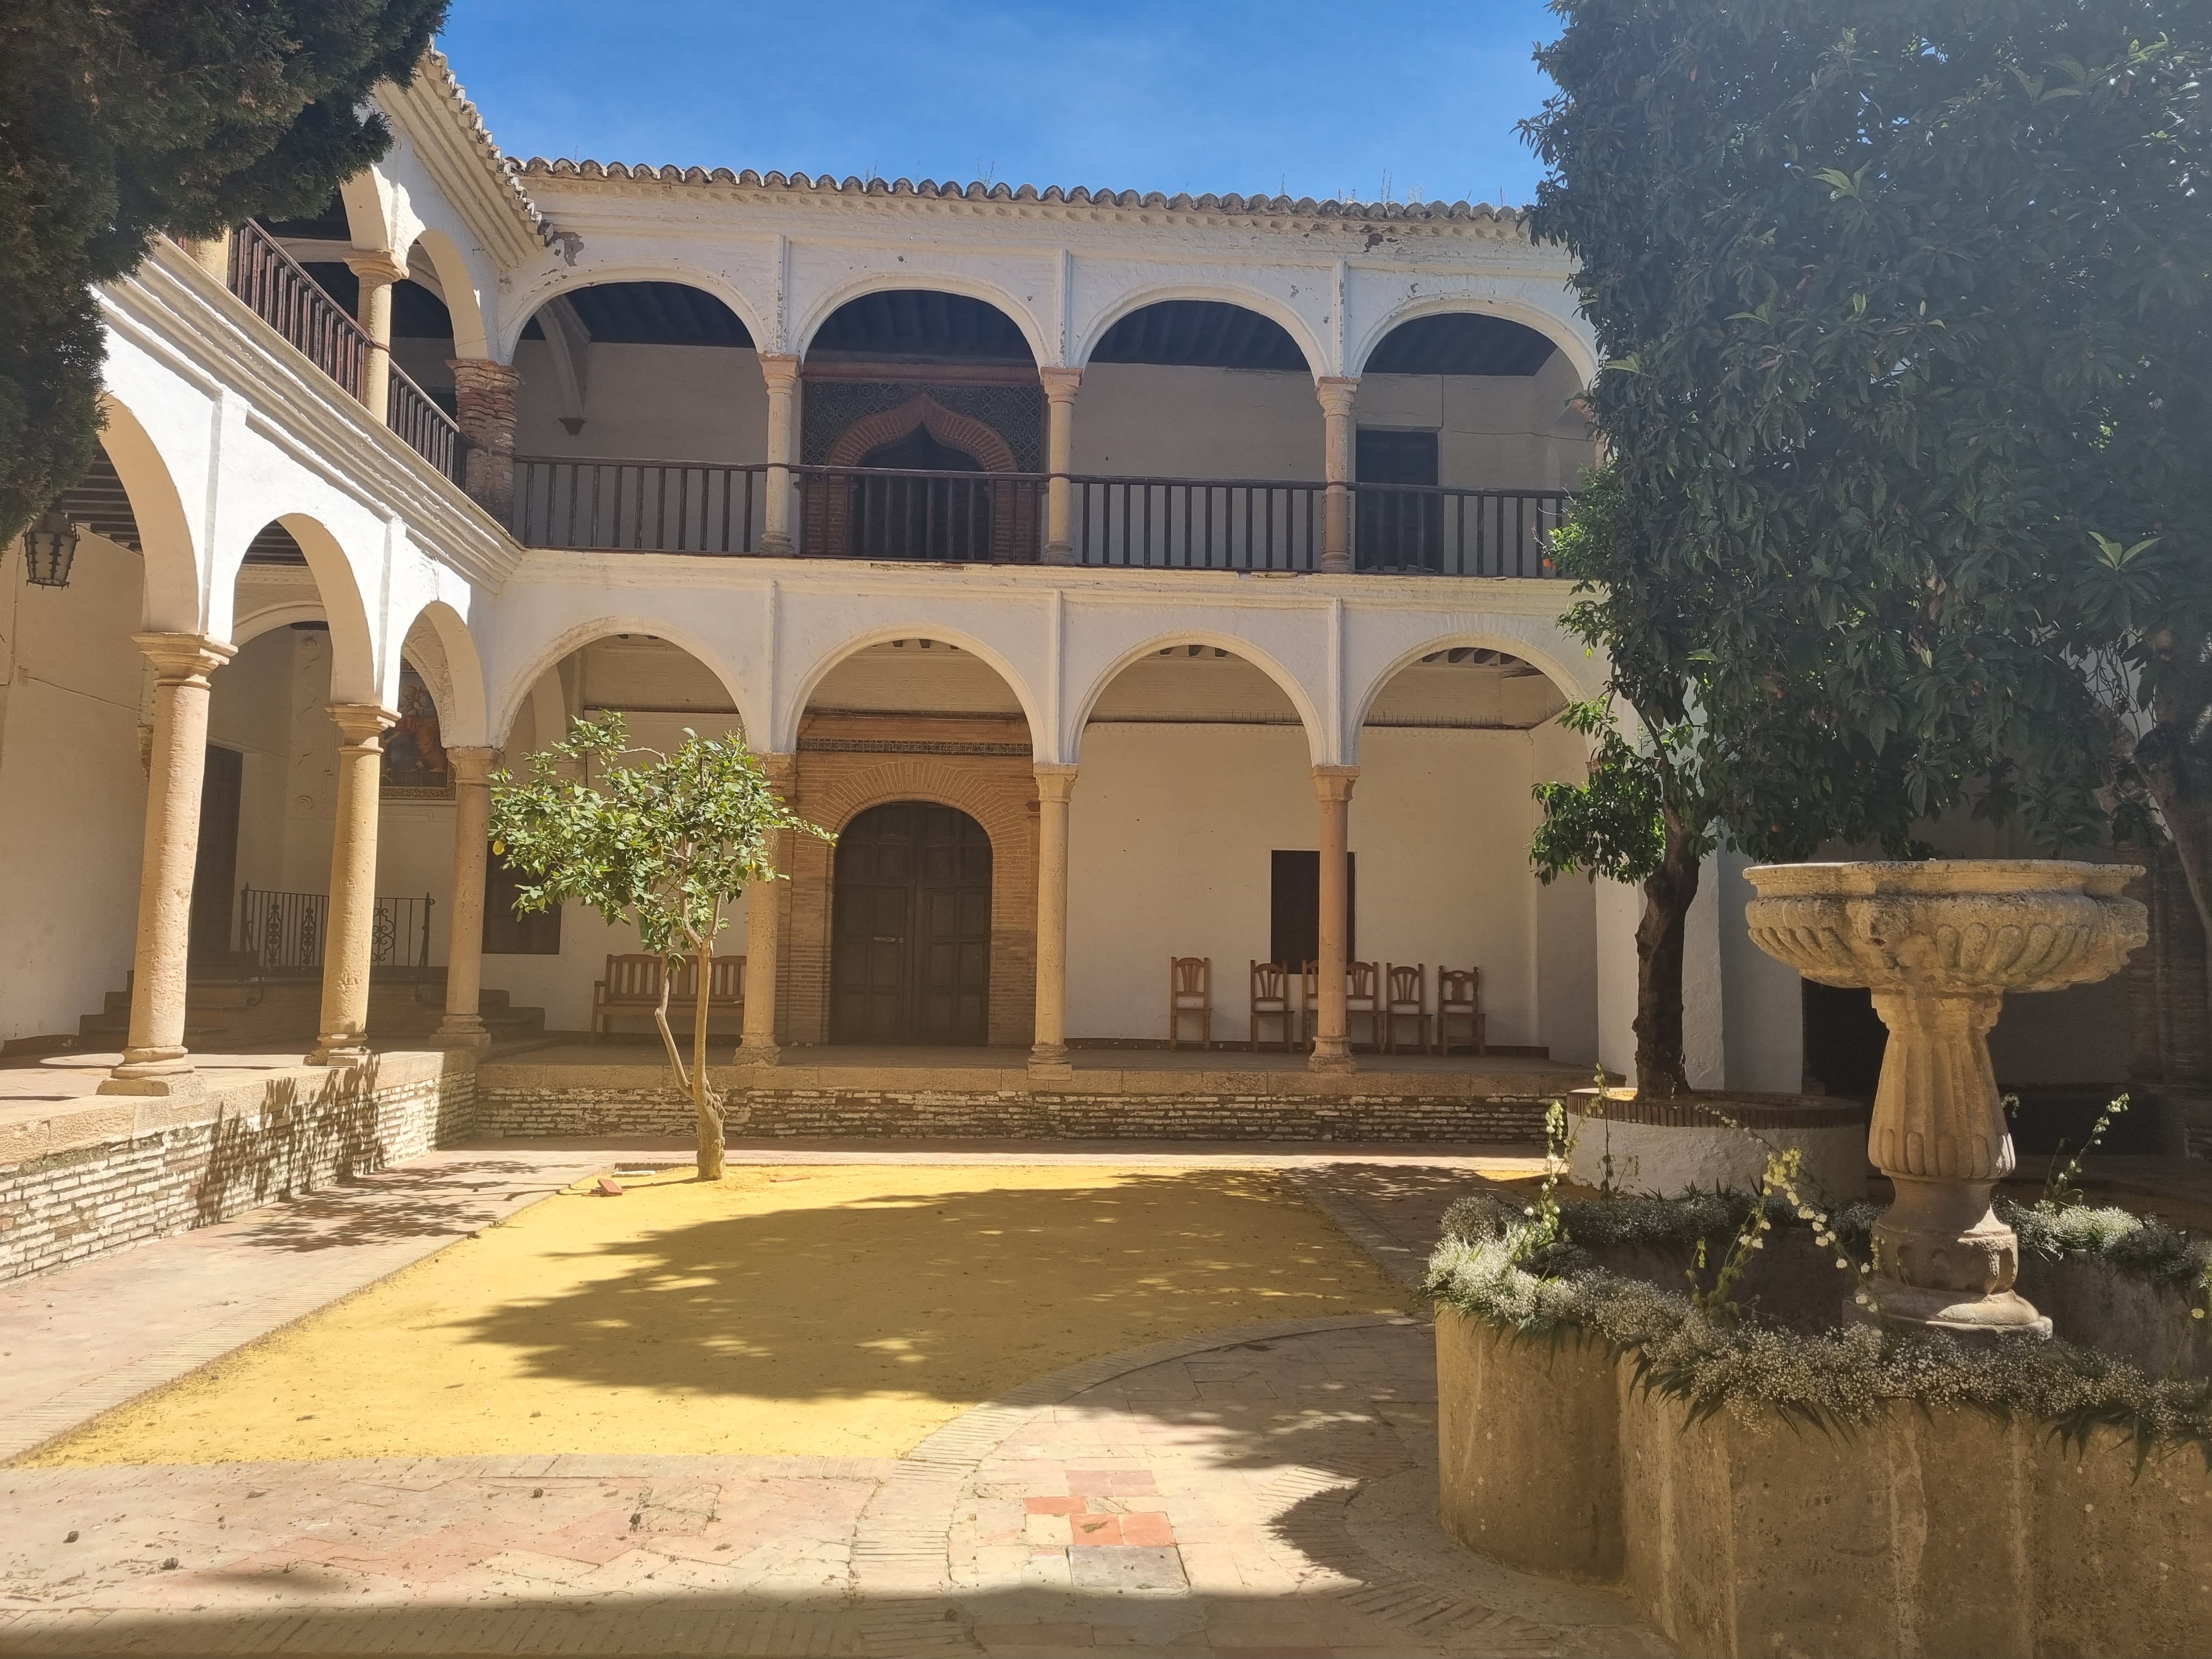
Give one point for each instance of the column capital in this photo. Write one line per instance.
(1336, 392)
(1334, 782)
(363, 724)
(1060, 384)
(1055, 780)
(183, 659)
(483, 374)
(471, 764)
(779, 368)
(377, 265)
(782, 770)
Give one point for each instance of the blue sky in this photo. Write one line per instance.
(1245, 95)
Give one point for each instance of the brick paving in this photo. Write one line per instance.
(1264, 1491)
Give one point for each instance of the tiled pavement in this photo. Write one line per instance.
(1267, 1491)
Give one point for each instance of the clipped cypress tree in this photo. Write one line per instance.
(128, 118)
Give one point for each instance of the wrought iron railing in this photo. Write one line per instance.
(1198, 523)
(423, 426)
(295, 305)
(638, 507)
(935, 517)
(998, 518)
(1454, 532)
(286, 932)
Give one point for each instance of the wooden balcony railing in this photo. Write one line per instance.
(301, 309)
(998, 518)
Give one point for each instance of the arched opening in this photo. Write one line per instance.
(640, 422)
(1451, 746)
(1189, 390)
(916, 404)
(910, 938)
(1465, 445)
(1192, 833)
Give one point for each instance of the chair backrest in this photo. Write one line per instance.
(1310, 983)
(1459, 989)
(1190, 978)
(726, 979)
(1409, 987)
(635, 977)
(1271, 984)
(1360, 979)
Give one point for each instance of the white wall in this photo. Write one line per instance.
(1765, 1034)
(72, 794)
(1169, 837)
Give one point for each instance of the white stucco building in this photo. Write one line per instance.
(1091, 562)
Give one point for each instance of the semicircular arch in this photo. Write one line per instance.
(515, 688)
(923, 281)
(173, 563)
(463, 304)
(787, 738)
(353, 641)
(1551, 324)
(463, 715)
(1287, 683)
(1573, 685)
(515, 315)
(1264, 305)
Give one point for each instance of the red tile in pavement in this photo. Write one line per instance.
(1097, 1482)
(1096, 1528)
(1127, 1483)
(1052, 1505)
(1146, 1527)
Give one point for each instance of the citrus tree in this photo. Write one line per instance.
(662, 843)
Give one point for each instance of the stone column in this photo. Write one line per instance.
(463, 1027)
(154, 1059)
(780, 370)
(1331, 1051)
(349, 933)
(484, 392)
(1337, 393)
(1055, 784)
(378, 271)
(765, 935)
(1061, 385)
(211, 254)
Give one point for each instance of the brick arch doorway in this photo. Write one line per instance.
(910, 928)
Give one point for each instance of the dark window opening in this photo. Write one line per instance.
(1294, 906)
(537, 933)
(1400, 529)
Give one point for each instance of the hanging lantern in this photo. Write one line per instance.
(49, 549)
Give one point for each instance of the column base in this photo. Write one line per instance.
(1331, 1054)
(156, 1072)
(1049, 1063)
(758, 1054)
(1336, 563)
(775, 542)
(462, 1031)
(1060, 553)
(338, 1051)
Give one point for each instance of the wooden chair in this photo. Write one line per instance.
(1363, 997)
(1309, 1002)
(1406, 998)
(1459, 997)
(1270, 1001)
(1190, 996)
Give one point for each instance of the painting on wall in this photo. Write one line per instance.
(415, 764)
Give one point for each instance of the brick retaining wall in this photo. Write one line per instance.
(535, 1109)
(96, 1174)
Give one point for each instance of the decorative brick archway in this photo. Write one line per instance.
(827, 519)
(997, 791)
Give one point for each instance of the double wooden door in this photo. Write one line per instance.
(910, 929)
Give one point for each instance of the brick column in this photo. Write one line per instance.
(378, 271)
(484, 393)
(464, 1026)
(1061, 385)
(154, 1059)
(1337, 393)
(350, 935)
(1055, 784)
(1330, 1052)
(780, 370)
(765, 935)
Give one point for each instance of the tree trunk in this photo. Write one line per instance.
(703, 1102)
(1660, 1071)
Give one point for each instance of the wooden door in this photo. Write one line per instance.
(214, 874)
(910, 929)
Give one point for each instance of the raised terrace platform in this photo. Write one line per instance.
(568, 1089)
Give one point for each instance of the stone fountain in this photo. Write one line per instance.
(1940, 944)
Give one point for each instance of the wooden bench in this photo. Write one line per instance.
(632, 986)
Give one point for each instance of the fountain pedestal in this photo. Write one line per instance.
(1940, 944)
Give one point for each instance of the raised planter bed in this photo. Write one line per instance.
(1714, 1139)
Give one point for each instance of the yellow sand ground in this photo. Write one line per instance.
(845, 1311)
